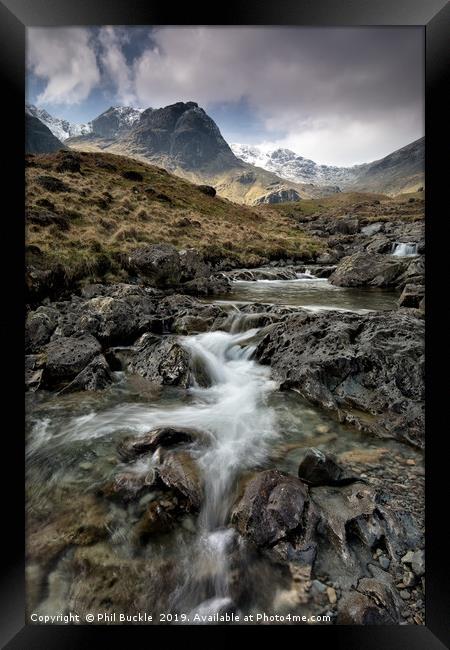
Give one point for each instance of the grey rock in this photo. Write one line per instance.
(318, 468)
(179, 471)
(161, 360)
(95, 376)
(157, 264)
(66, 357)
(133, 447)
(412, 295)
(362, 269)
(39, 327)
(271, 508)
(418, 563)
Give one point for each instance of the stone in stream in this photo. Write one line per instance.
(66, 357)
(318, 468)
(39, 327)
(129, 486)
(412, 295)
(95, 376)
(271, 508)
(369, 269)
(161, 360)
(178, 471)
(368, 368)
(166, 437)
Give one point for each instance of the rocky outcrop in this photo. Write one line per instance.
(67, 356)
(318, 468)
(159, 264)
(271, 508)
(161, 360)
(368, 368)
(39, 138)
(374, 270)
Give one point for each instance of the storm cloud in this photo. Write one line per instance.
(335, 95)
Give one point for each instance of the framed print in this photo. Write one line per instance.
(233, 410)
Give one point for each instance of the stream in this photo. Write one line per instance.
(72, 441)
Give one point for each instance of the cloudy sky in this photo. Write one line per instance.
(336, 95)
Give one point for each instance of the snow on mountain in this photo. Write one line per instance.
(117, 118)
(62, 129)
(289, 165)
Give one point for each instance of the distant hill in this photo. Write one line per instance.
(399, 172)
(39, 138)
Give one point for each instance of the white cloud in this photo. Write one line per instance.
(115, 64)
(65, 59)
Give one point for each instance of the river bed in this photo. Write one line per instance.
(72, 451)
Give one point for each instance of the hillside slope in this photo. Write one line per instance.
(86, 210)
(39, 138)
(184, 140)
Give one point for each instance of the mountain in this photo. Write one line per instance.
(184, 140)
(111, 123)
(61, 129)
(39, 138)
(400, 171)
(115, 121)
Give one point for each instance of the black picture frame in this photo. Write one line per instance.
(15, 16)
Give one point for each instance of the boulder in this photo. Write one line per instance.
(178, 471)
(66, 357)
(39, 327)
(157, 264)
(161, 360)
(193, 265)
(355, 608)
(207, 189)
(318, 468)
(271, 508)
(133, 447)
(368, 368)
(95, 376)
(412, 295)
(214, 284)
(363, 269)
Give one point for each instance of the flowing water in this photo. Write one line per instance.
(400, 249)
(311, 293)
(72, 440)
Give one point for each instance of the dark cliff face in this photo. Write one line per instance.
(186, 134)
(39, 138)
(115, 121)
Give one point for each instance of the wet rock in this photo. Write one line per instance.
(95, 376)
(271, 508)
(34, 368)
(39, 327)
(157, 519)
(418, 563)
(178, 471)
(68, 356)
(412, 295)
(368, 368)
(355, 608)
(158, 264)
(318, 468)
(166, 437)
(129, 486)
(161, 360)
(363, 269)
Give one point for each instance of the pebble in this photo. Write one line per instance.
(418, 563)
(331, 593)
(322, 428)
(407, 558)
(384, 562)
(405, 594)
(316, 585)
(86, 466)
(410, 461)
(409, 579)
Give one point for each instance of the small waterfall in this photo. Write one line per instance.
(401, 249)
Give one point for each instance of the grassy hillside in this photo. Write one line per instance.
(245, 184)
(88, 219)
(374, 207)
